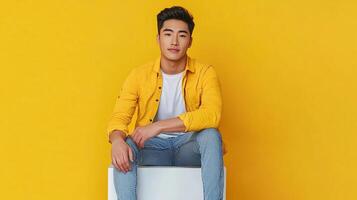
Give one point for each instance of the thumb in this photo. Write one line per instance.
(131, 157)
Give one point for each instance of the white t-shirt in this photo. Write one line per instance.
(172, 102)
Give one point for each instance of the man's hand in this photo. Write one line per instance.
(121, 153)
(143, 133)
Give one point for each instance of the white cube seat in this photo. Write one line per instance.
(165, 182)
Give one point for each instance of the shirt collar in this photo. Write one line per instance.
(189, 64)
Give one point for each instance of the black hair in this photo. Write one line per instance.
(175, 12)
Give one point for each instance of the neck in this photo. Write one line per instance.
(173, 66)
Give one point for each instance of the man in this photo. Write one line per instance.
(179, 109)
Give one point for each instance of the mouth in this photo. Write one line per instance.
(174, 50)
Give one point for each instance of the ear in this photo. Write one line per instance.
(158, 38)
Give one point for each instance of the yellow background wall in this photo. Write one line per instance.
(288, 74)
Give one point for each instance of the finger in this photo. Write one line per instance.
(120, 163)
(137, 140)
(137, 136)
(126, 162)
(115, 163)
(141, 142)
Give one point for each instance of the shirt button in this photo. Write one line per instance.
(151, 120)
(160, 88)
(156, 100)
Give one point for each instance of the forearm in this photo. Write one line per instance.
(171, 125)
(201, 119)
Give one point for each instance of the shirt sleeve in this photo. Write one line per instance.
(125, 105)
(208, 115)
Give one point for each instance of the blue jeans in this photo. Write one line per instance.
(202, 149)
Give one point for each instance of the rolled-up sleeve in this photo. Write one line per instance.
(208, 115)
(125, 105)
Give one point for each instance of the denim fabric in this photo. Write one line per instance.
(201, 149)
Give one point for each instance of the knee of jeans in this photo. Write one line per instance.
(209, 136)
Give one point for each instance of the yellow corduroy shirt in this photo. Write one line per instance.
(142, 88)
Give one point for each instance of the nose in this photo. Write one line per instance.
(174, 40)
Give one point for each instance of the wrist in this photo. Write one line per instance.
(117, 136)
(118, 140)
(158, 126)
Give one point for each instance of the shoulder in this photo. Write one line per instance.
(202, 68)
(142, 70)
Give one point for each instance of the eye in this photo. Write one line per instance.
(168, 34)
(183, 35)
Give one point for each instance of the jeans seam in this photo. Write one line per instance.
(172, 153)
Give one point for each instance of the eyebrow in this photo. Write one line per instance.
(170, 30)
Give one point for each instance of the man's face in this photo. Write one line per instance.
(174, 39)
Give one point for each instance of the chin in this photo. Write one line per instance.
(174, 57)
